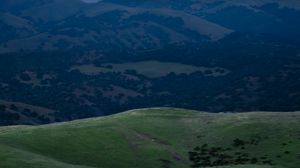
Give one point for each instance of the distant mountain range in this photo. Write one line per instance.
(134, 24)
(67, 59)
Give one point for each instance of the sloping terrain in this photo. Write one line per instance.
(134, 24)
(24, 113)
(242, 72)
(158, 137)
(105, 25)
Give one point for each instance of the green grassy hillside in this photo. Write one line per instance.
(157, 138)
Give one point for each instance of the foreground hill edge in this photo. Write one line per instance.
(156, 137)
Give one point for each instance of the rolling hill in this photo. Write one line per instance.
(118, 24)
(157, 137)
(103, 57)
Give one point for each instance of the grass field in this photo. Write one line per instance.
(154, 138)
(151, 69)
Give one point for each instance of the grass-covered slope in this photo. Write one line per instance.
(154, 138)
